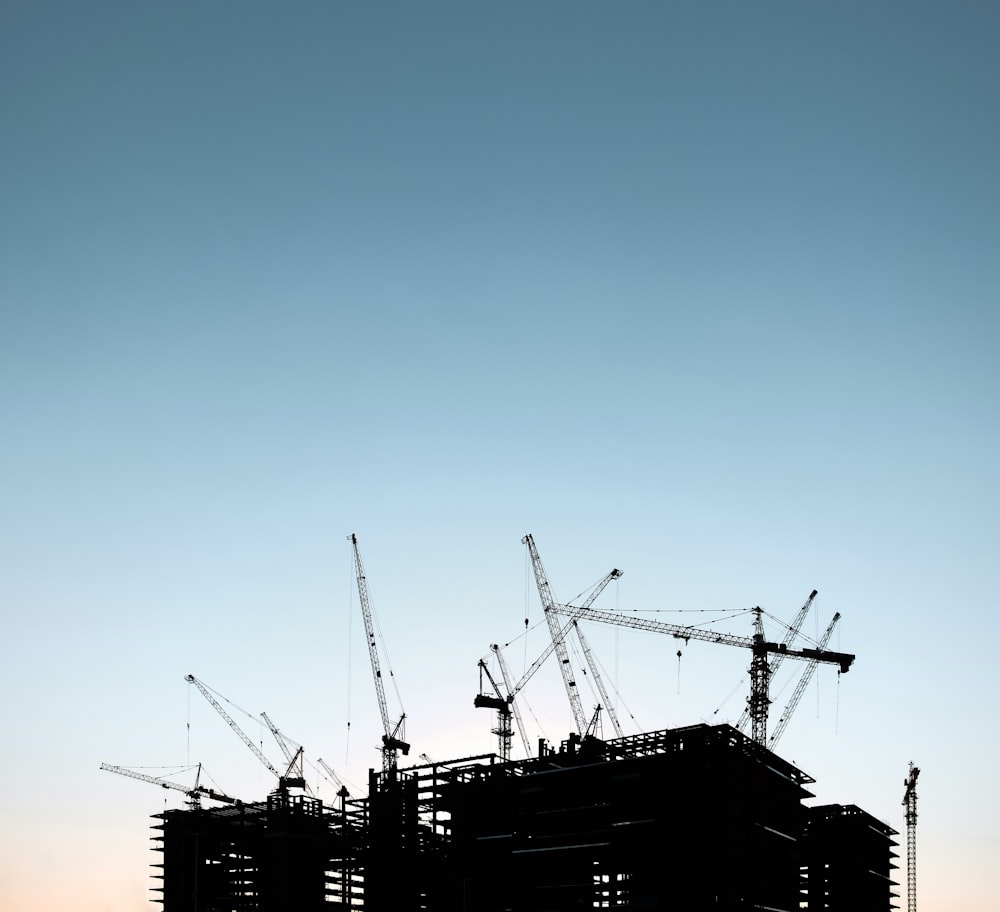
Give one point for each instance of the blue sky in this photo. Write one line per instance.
(704, 292)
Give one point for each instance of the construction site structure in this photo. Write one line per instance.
(699, 818)
(848, 860)
(910, 803)
(289, 853)
(702, 818)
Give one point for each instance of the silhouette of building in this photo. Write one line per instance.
(694, 819)
(848, 860)
(289, 853)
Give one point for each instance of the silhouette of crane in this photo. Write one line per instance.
(504, 701)
(294, 759)
(790, 634)
(558, 635)
(393, 735)
(285, 781)
(193, 793)
(910, 803)
(800, 688)
(760, 648)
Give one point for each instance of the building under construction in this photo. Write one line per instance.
(697, 818)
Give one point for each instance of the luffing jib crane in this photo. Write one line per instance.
(503, 706)
(558, 640)
(800, 688)
(505, 703)
(595, 673)
(910, 803)
(295, 759)
(558, 634)
(511, 692)
(284, 782)
(393, 735)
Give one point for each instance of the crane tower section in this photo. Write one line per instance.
(910, 803)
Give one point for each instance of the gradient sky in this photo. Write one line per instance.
(703, 291)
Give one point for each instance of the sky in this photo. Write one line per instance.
(706, 292)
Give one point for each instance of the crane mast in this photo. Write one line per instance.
(511, 693)
(790, 634)
(501, 704)
(910, 803)
(392, 737)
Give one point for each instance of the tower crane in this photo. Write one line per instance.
(800, 688)
(284, 782)
(558, 641)
(910, 803)
(393, 735)
(503, 705)
(558, 634)
(193, 793)
(760, 650)
(512, 690)
(294, 759)
(790, 634)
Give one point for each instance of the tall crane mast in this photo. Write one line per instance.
(760, 650)
(790, 634)
(910, 803)
(193, 793)
(392, 737)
